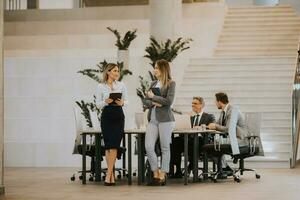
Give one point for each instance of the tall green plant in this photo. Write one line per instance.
(167, 50)
(123, 44)
(96, 74)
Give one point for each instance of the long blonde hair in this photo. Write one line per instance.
(108, 68)
(165, 71)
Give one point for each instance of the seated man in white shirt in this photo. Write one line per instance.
(198, 117)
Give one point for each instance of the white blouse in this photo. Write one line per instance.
(103, 91)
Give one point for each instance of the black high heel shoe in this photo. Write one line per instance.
(154, 182)
(163, 181)
(107, 184)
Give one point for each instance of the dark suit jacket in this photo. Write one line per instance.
(205, 119)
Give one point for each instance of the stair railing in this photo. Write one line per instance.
(294, 157)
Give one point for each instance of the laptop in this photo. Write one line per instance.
(182, 122)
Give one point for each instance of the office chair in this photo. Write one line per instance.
(253, 148)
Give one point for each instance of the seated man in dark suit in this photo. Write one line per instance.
(198, 117)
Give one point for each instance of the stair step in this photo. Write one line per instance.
(276, 138)
(259, 28)
(237, 80)
(252, 19)
(259, 33)
(253, 53)
(244, 108)
(238, 87)
(257, 48)
(245, 100)
(256, 7)
(241, 74)
(290, 25)
(239, 93)
(248, 60)
(241, 67)
(257, 44)
(262, 23)
(259, 14)
(276, 146)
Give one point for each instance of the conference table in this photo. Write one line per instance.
(140, 134)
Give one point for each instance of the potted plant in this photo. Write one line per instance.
(167, 50)
(123, 45)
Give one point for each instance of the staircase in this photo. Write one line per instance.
(254, 63)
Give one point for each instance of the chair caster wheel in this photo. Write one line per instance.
(72, 178)
(257, 176)
(91, 179)
(134, 174)
(215, 180)
(103, 178)
(119, 176)
(80, 177)
(127, 175)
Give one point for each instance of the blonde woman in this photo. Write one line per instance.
(161, 120)
(112, 117)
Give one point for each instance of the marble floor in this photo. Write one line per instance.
(54, 183)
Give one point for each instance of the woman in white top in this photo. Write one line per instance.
(112, 117)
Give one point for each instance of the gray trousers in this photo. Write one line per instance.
(163, 130)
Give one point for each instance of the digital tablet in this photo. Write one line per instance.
(114, 97)
(156, 91)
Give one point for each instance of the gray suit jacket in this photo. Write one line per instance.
(164, 113)
(235, 127)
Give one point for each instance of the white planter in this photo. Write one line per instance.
(123, 56)
(140, 120)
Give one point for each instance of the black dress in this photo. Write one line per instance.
(112, 126)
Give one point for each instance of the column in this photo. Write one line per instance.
(1, 103)
(165, 19)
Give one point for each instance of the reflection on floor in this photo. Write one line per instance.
(54, 183)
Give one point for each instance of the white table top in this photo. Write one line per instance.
(143, 131)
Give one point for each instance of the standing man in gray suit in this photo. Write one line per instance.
(232, 122)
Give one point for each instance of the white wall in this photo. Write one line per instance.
(41, 83)
(56, 4)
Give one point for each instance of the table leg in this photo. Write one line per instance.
(124, 158)
(143, 158)
(129, 160)
(185, 159)
(83, 158)
(205, 159)
(140, 165)
(195, 157)
(98, 158)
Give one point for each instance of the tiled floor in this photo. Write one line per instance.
(54, 183)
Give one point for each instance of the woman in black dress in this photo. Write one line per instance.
(112, 118)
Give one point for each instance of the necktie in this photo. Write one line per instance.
(223, 118)
(196, 120)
